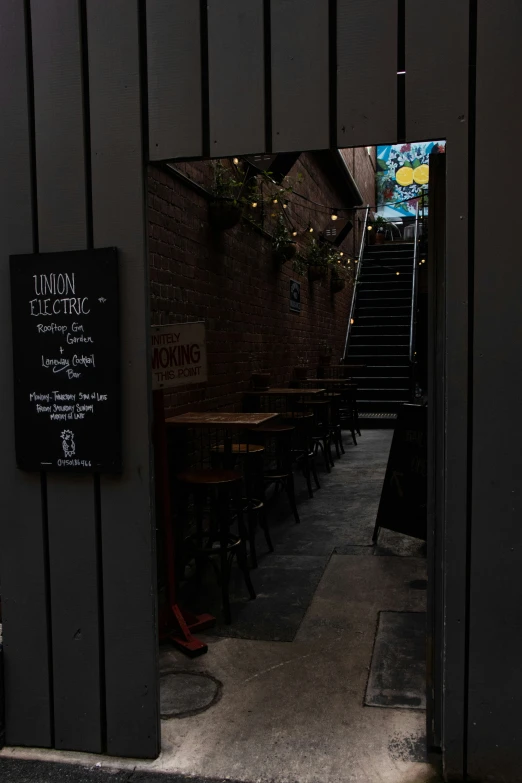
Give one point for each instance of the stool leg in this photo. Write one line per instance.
(242, 557)
(199, 559)
(265, 528)
(340, 436)
(306, 471)
(225, 560)
(314, 472)
(252, 525)
(290, 489)
(336, 442)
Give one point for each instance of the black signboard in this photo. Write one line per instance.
(66, 353)
(403, 506)
(295, 296)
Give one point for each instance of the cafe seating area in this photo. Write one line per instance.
(234, 468)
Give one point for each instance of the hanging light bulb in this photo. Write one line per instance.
(397, 273)
(311, 230)
(274, 201)
(334, 215)
(341, 253)
(236, 161)
(254, 204)
(285, 206)
(294, 233)
(423, 261)
(338, 260)
(370, 228)
(351, 321)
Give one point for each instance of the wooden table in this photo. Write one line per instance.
(243, 421)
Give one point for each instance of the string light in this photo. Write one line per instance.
(294, 233)
(285, 206)
(341, 253)
(352, 321)
(397, 273)
(274, 201)
(334, 216)
(236, 161)
(370, 228)
(254, 204)
(311, 230)
(423, 261)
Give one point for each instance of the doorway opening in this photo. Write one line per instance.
(298, 286)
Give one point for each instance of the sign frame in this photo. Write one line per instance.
(180, 352)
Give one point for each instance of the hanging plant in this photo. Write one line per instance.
(284, 247)
(225, 209)
(337, 279)
(317, 260)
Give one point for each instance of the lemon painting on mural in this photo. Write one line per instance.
(404, 176)
(421, 174)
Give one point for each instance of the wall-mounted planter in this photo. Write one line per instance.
(285, 252)
(301, 373)
(316, 272)
(337, 284)
(223, 215)
(261, 380)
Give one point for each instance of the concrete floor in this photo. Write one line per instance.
(293, 711)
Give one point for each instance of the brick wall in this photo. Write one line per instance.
(230, 280)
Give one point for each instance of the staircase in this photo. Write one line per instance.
(380, 333)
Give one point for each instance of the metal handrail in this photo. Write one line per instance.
(357, 275)
(414, 281)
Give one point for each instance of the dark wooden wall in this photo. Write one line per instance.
(77, 554)
(90, 89)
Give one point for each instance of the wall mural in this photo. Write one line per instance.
(402, 176)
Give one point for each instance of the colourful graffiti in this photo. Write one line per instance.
(403, 173)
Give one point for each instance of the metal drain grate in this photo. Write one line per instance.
(377, 415)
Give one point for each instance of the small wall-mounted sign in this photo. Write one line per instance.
(179, 355)
(295, 296)
(66, 351)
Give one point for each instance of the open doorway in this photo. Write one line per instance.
(305, 283)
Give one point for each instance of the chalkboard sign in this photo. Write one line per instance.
(403, 505)
(66, 354)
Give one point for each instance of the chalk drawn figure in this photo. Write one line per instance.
(68, 444)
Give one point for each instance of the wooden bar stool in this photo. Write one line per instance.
(222, 490)
(254, 505)
(336, 433)
(280, 471)
(303, 446)
(321, 435)
(348, 410)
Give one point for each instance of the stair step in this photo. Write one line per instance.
(381, 359)
(370, 395)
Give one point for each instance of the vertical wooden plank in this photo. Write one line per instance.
(300, 75)
(437, 107)
(22, 529)
(129, 558)
(366, 72)
(436, 67)
(436, 445)
(62, 224)
(236, 77)
(174, 79)
(455, 426)
(495, 674)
